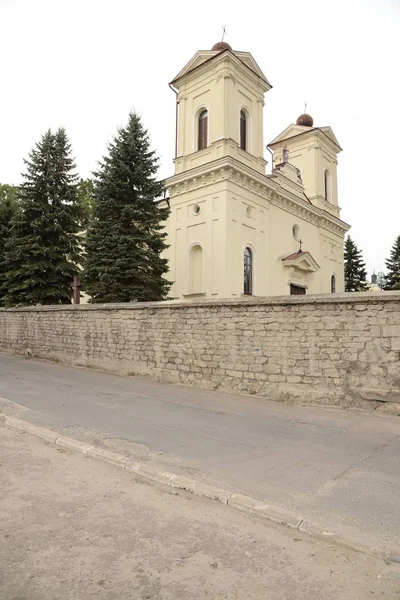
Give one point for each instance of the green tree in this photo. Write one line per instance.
(355, 275)
(393, 267)
(87, 200)
(43, 254)
(8, 192)
(8, 205)
(125, 238)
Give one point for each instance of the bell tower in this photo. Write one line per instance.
(220, 100)
(313, 150)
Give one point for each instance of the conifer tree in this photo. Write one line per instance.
(355, 275)
(393, 267)
(86, 198)
(8, 204)
(43, 254)
(125, 239)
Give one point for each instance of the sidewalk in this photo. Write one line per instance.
(338, 468)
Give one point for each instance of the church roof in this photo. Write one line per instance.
(295, 130)
(301, 260)
(203, 56)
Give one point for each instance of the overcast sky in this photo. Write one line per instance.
(84, 64)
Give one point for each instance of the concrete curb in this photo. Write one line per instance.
(240, 502)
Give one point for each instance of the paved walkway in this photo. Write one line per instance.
(334, 467)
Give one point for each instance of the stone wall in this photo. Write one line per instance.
(335, 349)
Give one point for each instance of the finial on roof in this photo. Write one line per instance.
(305, 120)
(219, 46)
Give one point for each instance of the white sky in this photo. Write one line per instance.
(84, 64)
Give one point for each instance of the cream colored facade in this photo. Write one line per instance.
(224, 206)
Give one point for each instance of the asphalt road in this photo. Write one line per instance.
(73, 528)
(338, 468)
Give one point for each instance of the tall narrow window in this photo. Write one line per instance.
(203, 130)
(243, 131)
(248, 272)
(196, 270)
(326, 185)
(333, 284)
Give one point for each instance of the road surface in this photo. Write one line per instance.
(337, 468)
(73, 528)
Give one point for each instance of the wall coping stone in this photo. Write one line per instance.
(345, 298)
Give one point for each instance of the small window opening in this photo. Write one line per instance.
(248, 272)
(203, 131)
(333, 284)
(326, 185)
(243, 130)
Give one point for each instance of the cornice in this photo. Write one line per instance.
(228, 169)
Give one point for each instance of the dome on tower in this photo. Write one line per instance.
(305, 120)
(219, 46)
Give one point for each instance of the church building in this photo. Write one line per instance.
(233, 229)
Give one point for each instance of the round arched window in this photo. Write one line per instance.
(296, 232)
(243, 130)
(202, 141)
(248, 271)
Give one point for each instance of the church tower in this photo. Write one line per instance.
(313, 150)
(232, 229)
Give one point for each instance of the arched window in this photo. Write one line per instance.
(296, 232)
(327, 183)
(248, 271)
(243, 130)
(333, 284)
(196, 270)
(203, 130)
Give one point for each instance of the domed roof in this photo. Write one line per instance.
(219, 46)
(305, 120)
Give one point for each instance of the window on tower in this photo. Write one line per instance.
(327, 185)
(333, 284)
(196, 269)
(203, 130)
(243, 130)
(248, 272)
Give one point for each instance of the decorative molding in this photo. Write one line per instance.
(277, 197)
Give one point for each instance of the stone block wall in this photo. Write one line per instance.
(336, 349)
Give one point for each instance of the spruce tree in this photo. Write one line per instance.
(125, 239)
(8, 205)
(355, 275)
(393, 267)
(43, 254)
(86, 198)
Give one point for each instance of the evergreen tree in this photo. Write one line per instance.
(393, 267)
(125, 239)
(86, 198)
(8, 204)
(43, 254)
(355, 275)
